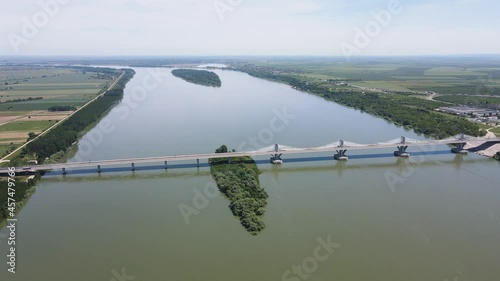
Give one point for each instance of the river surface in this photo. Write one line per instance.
(432, 217)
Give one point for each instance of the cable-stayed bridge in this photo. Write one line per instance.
(276, 152)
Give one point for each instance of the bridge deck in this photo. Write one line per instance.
(330, 148)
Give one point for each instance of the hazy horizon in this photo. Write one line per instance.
(249, 28)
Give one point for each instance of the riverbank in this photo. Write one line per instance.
(62, 137)
(401, 109)
(24, 187)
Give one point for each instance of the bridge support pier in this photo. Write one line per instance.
(401, 152)
(133, 167)
(166, 167)
(99, 169)
(459, 148)
(276, 159)
(198, 163)
(64, 171)
(341, 155)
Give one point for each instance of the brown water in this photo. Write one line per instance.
(439, 220)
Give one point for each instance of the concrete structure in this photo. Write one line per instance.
(468, 111)
(277, 151)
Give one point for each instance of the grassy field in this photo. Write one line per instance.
(484, 126)
(27, 126)
(52, 84)
(3, 149)
(496, 131)
(27, 92)
(469, 100)
(468, 76)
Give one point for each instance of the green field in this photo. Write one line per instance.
(469, 100)
(26, 126)
(496, 131)
(44, 104)
(380, 96)
(31, 90)
(57, 86)
(468, 76)
(3, 149)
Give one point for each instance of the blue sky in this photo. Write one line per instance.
(245, 27)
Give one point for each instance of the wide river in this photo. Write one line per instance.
(430, 217)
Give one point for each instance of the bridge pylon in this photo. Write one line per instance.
(401, 152)
(341, 152)
(459, 146)
(276, 157)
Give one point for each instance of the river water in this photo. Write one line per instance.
(432, 217)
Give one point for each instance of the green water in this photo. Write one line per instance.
(439, 220)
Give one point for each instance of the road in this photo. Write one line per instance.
(62, 120)
(329, 148)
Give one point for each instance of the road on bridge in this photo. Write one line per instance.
(341, 145)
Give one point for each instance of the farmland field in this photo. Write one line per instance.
(24, 126)
(27, 92)
(449, 76)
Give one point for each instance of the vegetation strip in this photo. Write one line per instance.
(238, 179)
(200, 77)
(63, 136)
(24, 187)
(410, 112)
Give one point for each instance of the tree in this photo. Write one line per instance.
(222, 149)
(31, 136)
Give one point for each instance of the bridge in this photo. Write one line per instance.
(275, 151)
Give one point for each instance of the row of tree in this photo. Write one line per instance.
(410, 112)
(21, 100)
(22, 190)
(64, 135)
(62, 108)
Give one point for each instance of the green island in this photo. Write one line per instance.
(200, 77)
(238, 179)
(405, 108)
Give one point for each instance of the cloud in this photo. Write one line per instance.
(258, 27)
(305, 7)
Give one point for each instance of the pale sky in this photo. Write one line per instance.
(247, 27)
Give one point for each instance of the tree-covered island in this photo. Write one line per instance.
(238, 179)
(200, 77)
